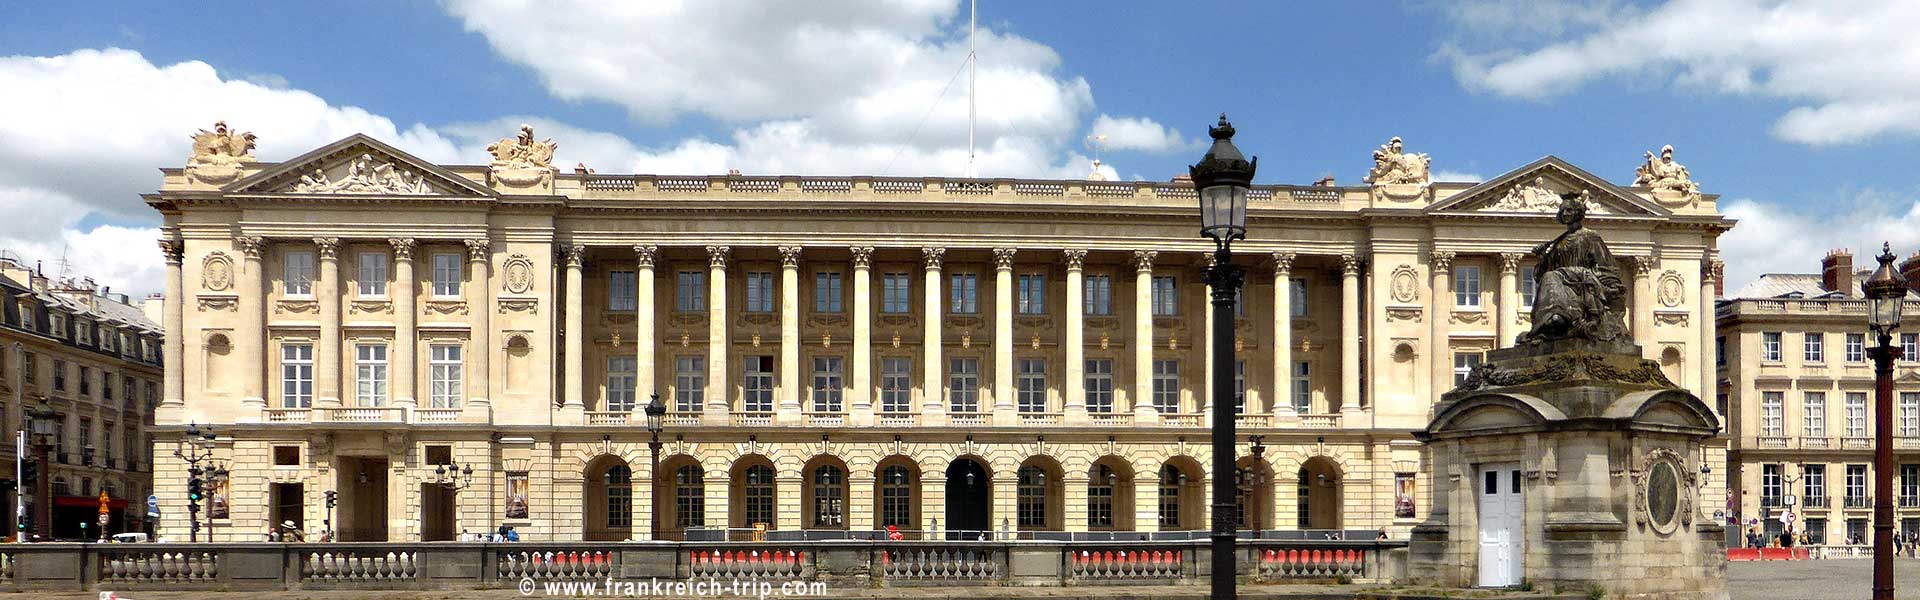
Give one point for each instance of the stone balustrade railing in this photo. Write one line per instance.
(461, 566)
(620, 186)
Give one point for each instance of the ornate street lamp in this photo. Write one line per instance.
(1221, 179)
(44, 424)
(1886, 290)
(453, 476)
(196, 448)
(656, 423)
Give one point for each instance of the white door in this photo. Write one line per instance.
(1501, 507)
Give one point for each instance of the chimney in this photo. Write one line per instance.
(1836, 272)
(1324, 181)
(1909, 269)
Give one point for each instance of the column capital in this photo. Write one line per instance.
(1143, 260)
(1076, 259)
(644, 255)
(251, 246)
(575, 254)
(1283, 262)
(932, 257)
(172, 250)
(1003, 258)
(1350, 263)
(329, 247)
(479, 249)
(790, 256)
(717, 256)
(1510, 262)
(862, 257)
(1643, 265)
(1712, 270)
(402, 248)
(1440, 259)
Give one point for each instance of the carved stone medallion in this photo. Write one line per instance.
(1673, 291)
(1406, 285)
(216, 273)
(519, 274)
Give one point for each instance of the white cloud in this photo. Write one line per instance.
(1770, 239)
(1852, 68)
(1136, 133)
(1457, 176)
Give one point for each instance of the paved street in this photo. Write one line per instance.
(1850, 579)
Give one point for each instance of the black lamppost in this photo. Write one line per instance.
(1885, 292)
(197, 448)
(453, 476)
(656, 423)
(1221, 179)
(45, 425)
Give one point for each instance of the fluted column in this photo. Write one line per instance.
(576, 332)
(252, 341)
(1282, 402)
(406, 384)
(1143, 412)
(1710, 272)
(1439, 347)
(1509, 326)
(860, 400)
(933, 389)
(1076, 345)
(326, 354)
(173, 345)
(790, 388)
(480, 268)
(1643, 303)
(718, 403)
(1350, 332)
(643, 343)
(1003, 337)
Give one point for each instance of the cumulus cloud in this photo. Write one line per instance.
(1457, 176)
(1774, 239)
(1851, 68)
(1136, 133)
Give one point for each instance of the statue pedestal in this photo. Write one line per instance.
(1400, 194)
(1570, 465)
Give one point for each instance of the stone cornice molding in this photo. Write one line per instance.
(717, 256)
(862, 257)
(1076, 259)
(1003, 258)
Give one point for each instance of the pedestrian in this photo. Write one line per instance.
(513, 535)
(500, 535)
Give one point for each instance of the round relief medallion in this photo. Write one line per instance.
(217, 272)
(1406, 286)
(1673, 291)
(519, 275)
(1663, 494)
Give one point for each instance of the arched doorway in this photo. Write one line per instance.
(755, 502)
(680, 498)
(1253, 482)
(824, 486)
(1039, 495)
(1110, 495)
(1182, 492)
(1319, 494)
(896, 496)
(608, 496)
(969, 498)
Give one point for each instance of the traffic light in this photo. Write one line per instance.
(193, 490)
(30, 473)
(332, 497)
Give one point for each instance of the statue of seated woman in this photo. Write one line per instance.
(1579, 295)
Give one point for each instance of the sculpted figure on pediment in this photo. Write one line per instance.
(364, 175)
(522, 160)
(218, 154)
(1392, 165)
(1666, 177)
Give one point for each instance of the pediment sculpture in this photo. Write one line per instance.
(364, 175)
(1668, 179)
(1580, 295)
(522, 160)
(218, 154)
(1393, 166)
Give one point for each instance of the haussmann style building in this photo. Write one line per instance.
(839, 355)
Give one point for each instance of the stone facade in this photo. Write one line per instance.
(909, 351)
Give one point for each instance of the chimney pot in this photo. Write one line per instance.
(1836, 271)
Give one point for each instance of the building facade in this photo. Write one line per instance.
(841, 354)
(1797, 386)
(94, 358)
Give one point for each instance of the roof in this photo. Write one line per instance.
(1799, 285)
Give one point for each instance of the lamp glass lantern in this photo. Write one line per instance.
(1221, 180)
(656, 416)
(44, 423)
(1885, 290)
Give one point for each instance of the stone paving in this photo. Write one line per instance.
(1840, 579)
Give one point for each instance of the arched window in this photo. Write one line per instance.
(896, 497)
(1100, 497)
(829, 497)
(1032, 501)
(689, 497)
(1171, 479)
(757, 505)
(619, 480)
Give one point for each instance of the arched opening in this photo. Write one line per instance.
(1253, 485)
(608, 496)
(1110, 495)
(1319, 494)
(824, 485)
(896, 495)
(1040, 495)
(755, 503)
(969, 498)
(218, 351)
(1182, 492)
(519, 361)
(1671, 363)
(680, 498)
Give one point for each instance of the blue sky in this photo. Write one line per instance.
(1802, 120)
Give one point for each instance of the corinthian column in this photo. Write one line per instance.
(252, 341)
(480, 327)
(326, 355)
(1282, 403)
(1710, 272)
(406, 383)
(718, 404)
(173, 346)
(1350, 332)
(1643, 303)
(1143, 412)
(933, 389)
(1509, 326)
(790, 389)
(576, 333)
(1439, 347)
(643, 344)
(861, 400)
(1003, 337)
(1076, 345)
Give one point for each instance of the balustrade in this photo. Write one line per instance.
(1313, 563)
(1126, 564)
(558, 565)
(358, 565)
(939, 562)
(157, 566)
(750, 562)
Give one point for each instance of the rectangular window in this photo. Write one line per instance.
(86, 381)
(106, 385)
(1099, 295)
(689, 383)
(1815, 478)
(965, 294)
(622, 291)
(1463, 365)
(446, 368)
(1909, 486)
(1816, 345)
(1099, 373)
(1813, 408)
(1770, 346)
(1302, 387)
(373, 274)
(446, 275)
(59, 375)
(826, 292)
(1909, 347)
(757, 385)
(690, 291)
(827, 388)
(370, 374)
(1856, 414)
(896, 293)
(298, 276)
(1166, 386)
(1856, 348)
(620, 375)
(1771, 409)
(1466, 286)
(1527, 287)
(1770, 489)
(1166, 296)
(1857, 486)
(1033, 294)
(296, 376)
(963, 385)
(760, 292)
(1240, 387)
(1297, 304)
(1032, 386)
(1909, 414)
(896, 385)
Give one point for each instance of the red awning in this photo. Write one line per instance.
(88, 501)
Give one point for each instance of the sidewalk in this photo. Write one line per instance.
(1129, 592)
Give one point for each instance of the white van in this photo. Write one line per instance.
(130, 538)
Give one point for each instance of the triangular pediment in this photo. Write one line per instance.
(358, 165)
(1536, 189)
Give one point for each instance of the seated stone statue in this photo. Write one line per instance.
(1580, 295)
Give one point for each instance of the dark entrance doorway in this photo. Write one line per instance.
(362, 483)
(969, 499)
(436, 512)
(289, 505)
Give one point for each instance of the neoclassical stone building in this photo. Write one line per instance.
(841, 353)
